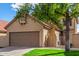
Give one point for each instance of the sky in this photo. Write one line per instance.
(7, 12)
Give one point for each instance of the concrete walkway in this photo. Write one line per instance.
(74, 49)
(14, 51)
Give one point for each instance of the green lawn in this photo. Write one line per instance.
(51, 52)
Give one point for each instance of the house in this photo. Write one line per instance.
(2, 32)
(74, 37)
(30, 32)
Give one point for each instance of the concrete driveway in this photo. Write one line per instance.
(14, 51)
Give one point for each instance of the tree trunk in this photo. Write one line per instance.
(67, 32)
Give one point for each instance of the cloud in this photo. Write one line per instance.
(16, 6)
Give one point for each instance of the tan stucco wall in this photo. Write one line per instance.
(45, 37)
(3, 40)
(31, 25)
(74, 38)
(57, 38)
(51, 38)
(75, 41)
(75, 35)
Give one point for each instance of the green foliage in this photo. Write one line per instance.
(75, 10)
(56, 12)
(53, 12)
(24, 9)
(46, 13)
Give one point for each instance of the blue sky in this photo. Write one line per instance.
(6, 12)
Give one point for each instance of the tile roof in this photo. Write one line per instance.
(2, 25)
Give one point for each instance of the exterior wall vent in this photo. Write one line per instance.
(22, 21)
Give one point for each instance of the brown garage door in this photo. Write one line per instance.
(28, 39)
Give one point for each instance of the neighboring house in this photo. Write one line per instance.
(74, 38)
(2, 32)
(31, 33)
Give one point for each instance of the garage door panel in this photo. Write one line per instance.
(29, 39)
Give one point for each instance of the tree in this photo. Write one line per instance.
(56, 12)
(46, 12)
(69, 12)
(53, 13)
(23, 10)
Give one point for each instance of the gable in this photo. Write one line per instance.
(31, 25)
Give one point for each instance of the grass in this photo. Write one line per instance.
(51, 52)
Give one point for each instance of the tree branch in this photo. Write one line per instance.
(59, 13)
